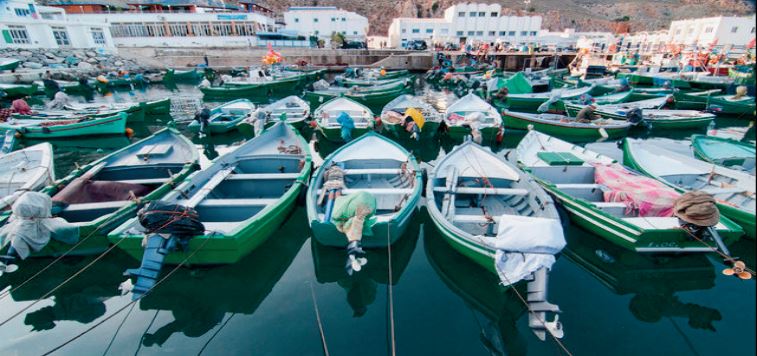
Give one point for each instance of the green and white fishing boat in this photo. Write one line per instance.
(724, 152)
(469, 113)
(26, 170)
(374, 97)
(137, 111)
(102, 195)
(734, 190)
(259, 90)
(225, 117)
(650, 116)
(350, 82)
(694, 100)
(19, 90)
(394, 113)
(532, 101)
(182, 76)
(241, 199)
(375, 165)
(729, 105)
(566, 127)
(471, 191)
(617, 111)
(576, 178)
(75, 125)
(327, 118)
(291, 109)
(9, 63)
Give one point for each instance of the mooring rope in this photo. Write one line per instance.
(215, 334)
(318, 319)
(169, 274)
(118, 329)
(390, 289)
(723, 255)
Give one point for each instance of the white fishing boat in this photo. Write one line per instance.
(28, 169)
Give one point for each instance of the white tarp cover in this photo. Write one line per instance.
(524, 245)
(31, 226)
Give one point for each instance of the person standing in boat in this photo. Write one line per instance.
(203, 117)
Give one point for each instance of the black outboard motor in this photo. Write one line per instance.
(635, 116)
(168, 228)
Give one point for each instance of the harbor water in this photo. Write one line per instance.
(426, 299)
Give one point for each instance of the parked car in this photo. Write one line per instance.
(354, 45)
(417, 45)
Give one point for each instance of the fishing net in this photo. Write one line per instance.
(167, 218)
(354, 214)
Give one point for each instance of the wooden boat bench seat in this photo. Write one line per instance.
(481, 190)
(117, 204)
(262, 176)
(613, 208)
(387, 171)
(376, 191)
(478, 219)
(236, 203)
(147, 181)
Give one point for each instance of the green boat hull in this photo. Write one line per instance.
(741, 150)
(479, 254)
(488, 134)
(576, 133)
(182, 76)
(158, 107)
(11, 65)
(429, 131)
(20, 90)
(743, 218)
(114, 125)
(681, 124)
(722, 106)
(260, 92)
(374, 101)
(335, 134)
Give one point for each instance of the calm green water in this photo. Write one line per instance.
(614, 301)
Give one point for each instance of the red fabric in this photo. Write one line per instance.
(83, 190)
(21, 107)
(645, 195)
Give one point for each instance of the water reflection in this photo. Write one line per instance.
(361, 287)
(81, 300)
(498, 306)
(653, 281)
(199, 298)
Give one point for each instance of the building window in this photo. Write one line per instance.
(354, 33)
(481, 14)
(179, 29)
(23, 12)
(344, 19)
(459, 33)
(494, 14)
(511, 33)
(533, 33)
(492, 33)
(98, 36)
(472, 14)
(461, 14)
(708, 30)
(333, 19)
(317, 32)
(429, 30)
(18, 34)
(61, 36)
(471, 33)
(502, 33)
(315, 19)
(296, 20)
(479, 33)
(524, 33)
(734, 29)
(416, 30)
(752, 30)
(404, 30)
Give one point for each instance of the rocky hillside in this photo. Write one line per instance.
(584, 15)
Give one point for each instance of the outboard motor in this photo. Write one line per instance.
(635, 116)
(168, 227)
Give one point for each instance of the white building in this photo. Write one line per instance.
(570, 38)
(645, 42)
(203, 28)
(464, 23)
(323, 21)
(25, 24)
(722, 30)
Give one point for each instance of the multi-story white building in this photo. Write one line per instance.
(721, 30)
(463, 23)
(25, 24)
(324, 21)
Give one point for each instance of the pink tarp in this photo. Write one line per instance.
(646, 195)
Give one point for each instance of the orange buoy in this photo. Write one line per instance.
(129, 132)
(17, 134)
